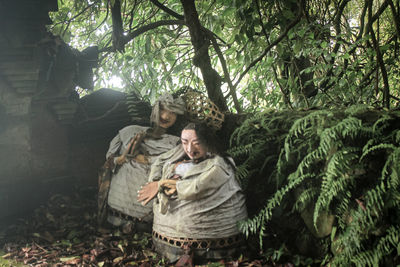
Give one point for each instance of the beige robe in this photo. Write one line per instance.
(209, 200)
(129, 177)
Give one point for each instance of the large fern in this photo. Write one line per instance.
(344, 163)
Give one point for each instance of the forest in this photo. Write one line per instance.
(312, 92)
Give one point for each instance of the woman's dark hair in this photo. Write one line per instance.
(206, 136)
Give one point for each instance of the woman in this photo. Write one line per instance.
(129, 157)
(199, 200)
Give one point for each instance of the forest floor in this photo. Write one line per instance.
(63, 232)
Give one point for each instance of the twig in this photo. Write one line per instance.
(232, 88)
(167, 10)
(269, 47)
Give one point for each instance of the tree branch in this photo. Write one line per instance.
(337, 45)
(380, 11)
(284, 92)
(130, 36)
(151, 26)
(362, 21)
(232, 89)
(167, 10)
(395, 18)
(337, 26)
(386, 91)
(200, 42)
(77, 15)
(117, 28)
(269, 47)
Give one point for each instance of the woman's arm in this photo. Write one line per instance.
(151, 189)
(157, 168)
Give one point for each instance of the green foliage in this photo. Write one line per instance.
(315, 63)
(339, 162)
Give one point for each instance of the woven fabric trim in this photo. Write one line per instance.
(200, 243)
(121, 215)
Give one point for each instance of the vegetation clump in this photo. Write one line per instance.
(324, 182)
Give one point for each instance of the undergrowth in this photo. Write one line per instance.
(331, 175)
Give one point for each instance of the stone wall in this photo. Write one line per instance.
(29, 133)
(50, 140)
(36, 106)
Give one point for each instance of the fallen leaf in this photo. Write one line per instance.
(6, 256)
(149, 253)
(118, 259)
(121, 248)
(67, 259)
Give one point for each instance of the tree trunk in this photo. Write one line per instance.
(212, 79)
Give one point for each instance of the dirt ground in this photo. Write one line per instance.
(63, 232)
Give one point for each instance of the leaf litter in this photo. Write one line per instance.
(63, 232)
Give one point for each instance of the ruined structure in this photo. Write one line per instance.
(50, 140)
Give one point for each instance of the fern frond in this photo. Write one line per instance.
(331, 137)
(307, 163)
(342, 209)
(371, 142)
(386, 245)
(299, 127)
(390, 170)
(246, 129)
(381, 123)
(258, 222)
(306, 197)
(377, 147)
(397, 137)
(242, 172)
(366, 258)
(374, 203)
(337, 178)
(357, 109)
(242, 149)
(328, 158)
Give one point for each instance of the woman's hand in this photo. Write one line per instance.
(130, 149)
(169, 186)
(150, 190)
(121, 159)
(147, 192)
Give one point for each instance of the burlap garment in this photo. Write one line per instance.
(127, 179)
(208, 204)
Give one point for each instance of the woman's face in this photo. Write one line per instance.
(192, 146)
(167, 118)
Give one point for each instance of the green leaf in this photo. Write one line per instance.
(288, 14)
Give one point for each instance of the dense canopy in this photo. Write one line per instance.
(247, 54)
